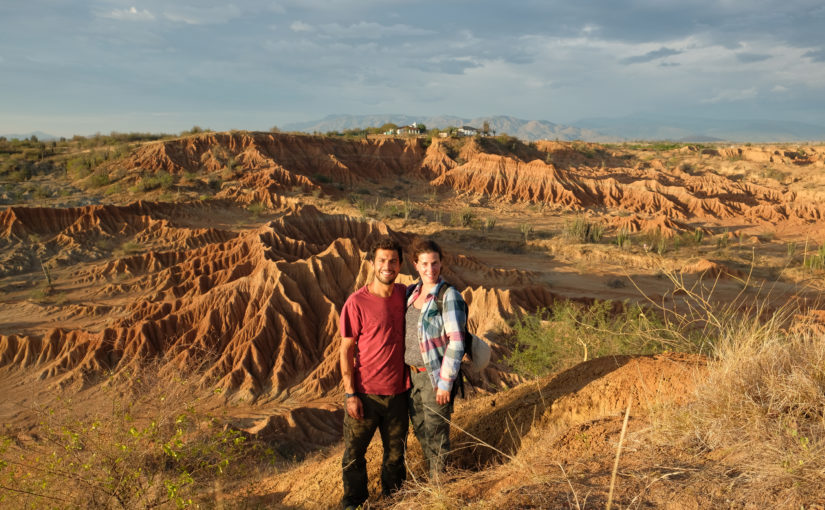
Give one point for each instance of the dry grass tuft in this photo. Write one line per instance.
(763, 404)
(760, 405)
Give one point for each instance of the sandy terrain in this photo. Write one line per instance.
(247, 284)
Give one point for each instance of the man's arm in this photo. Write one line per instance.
(347, 355)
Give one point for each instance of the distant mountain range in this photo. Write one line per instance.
(655, 127)
(524, 129)
(630, 128)
(39, 134)
(598, 129)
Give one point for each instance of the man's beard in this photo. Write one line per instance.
(383, 279)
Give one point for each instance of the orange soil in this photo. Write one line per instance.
(260, 304)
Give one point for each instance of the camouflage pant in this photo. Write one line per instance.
(388, 414)
(430, 421)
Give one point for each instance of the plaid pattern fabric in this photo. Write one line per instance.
(439, 334)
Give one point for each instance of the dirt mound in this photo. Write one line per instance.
(712, 269)
(576, 179)
(260, 303)
(588, 391)
(809, 155)
(666, 226)
(301, 430)
(491, 429)
(281, 160)
(263, 305)
(570, 175)
(83, 234)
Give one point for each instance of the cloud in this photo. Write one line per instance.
(731, 95)
(590, 29)
(779, 88)
(651, 55)
(815, 55)
(748, 58)
(447, 65)
(300, 26)
(370, 30)
(130, 14)
(202, 16)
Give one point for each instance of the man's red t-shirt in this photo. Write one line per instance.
(377, 325)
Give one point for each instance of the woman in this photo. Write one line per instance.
(434, 348)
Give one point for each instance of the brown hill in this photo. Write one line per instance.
(535, 412)
(251, 295)
(281, 160)
(264, 304)
(627, 185)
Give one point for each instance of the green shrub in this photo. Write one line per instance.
(583, 231)
(151, 182)
(490, 223)
(723, 240)
(256, 209)
(790, 249)
(526, 230)
(815, 262)
(464, 218)
(99, 179)
(130, 248)
(622, 238)
(556, 339)
(113, 190)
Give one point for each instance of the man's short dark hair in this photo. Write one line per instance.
(385, 243)
(425, 246)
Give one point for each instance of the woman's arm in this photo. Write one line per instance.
(454, 319)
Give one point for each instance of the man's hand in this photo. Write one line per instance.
(355, 408)
(442, 397)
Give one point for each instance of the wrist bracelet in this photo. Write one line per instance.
(348, 395)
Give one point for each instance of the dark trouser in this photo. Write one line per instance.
(430, 422)
(387, 413)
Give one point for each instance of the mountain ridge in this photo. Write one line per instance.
(596, 129)
(520, 128)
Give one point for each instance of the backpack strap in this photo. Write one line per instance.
(439, 298)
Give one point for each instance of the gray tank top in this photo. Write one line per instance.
(412, 351)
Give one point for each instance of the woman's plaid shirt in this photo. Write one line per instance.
(439, 334)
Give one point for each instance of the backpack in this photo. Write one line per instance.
(474, 347)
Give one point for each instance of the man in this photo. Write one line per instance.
(374, 375)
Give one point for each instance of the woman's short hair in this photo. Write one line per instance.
(425, 246)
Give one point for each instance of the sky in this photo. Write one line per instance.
(80, 67)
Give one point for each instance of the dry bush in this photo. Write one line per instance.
(152, 444)
(760, 405)
(763, 404)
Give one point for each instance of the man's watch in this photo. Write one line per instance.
(348, 395)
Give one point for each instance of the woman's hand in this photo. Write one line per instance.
(442, 397)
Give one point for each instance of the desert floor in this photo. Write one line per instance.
(195, 283)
